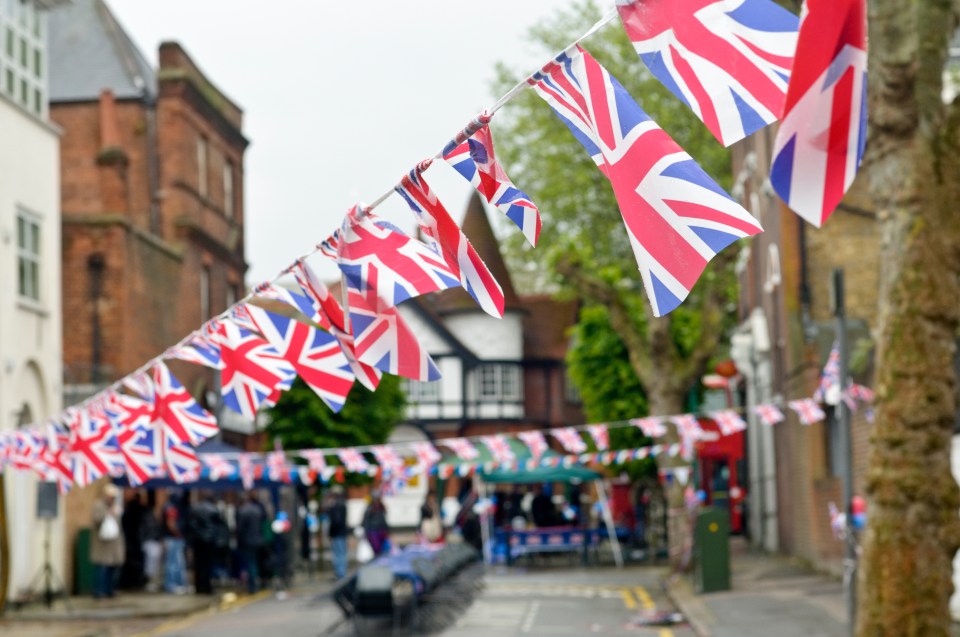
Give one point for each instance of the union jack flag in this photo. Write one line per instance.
(314, 354)
(353, 461)
(600, 435)
(823, 131)
(499, 448)
(652, 427)
(181, 419)
(687, 425)
(388, 459)
(462, 447)
(180, 461)
(297, 301)
(316, 460)
(198, 349)
(447, 239)
(728, 60)
(474, 158)
(769, 414)
(92, 444)
(829, 384)
(677, 218)
(385, 341)
(536, 442)
(136, 437)
(253, 371)
(427, 454)
(328, 313)
(377, 256)
(277, 468)
(140, 384)
(56, 458)
(808, 411)
(861, 393)
(218, 467)
(22, 450)
(247, 471)
(728, 421)
(570, 438)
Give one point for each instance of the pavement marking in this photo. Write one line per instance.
(183, 622)
(628, 599)
(530, 617)
(644, 598)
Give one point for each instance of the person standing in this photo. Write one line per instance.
(150, 539)
(431, 526)
(131, 573)
(106, 543)
(205, 530)
(338, 530)
(250, 520)
(174, 546)
(375, 525)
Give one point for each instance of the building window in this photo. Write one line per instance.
(22, 54)
(204, 293)
(228, 189)
(421, 392)
(202, 166)
(28, 256)
(498, 382)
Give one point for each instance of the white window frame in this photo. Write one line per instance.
(23, 79)
(421, 392)
(228, 194)
(496, 382)
(202, 166)
(29, 254)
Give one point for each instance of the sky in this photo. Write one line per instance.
(340, 99)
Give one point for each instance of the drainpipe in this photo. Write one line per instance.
(153, 176)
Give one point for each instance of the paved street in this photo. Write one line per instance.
(546, 602)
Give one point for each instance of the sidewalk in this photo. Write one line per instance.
(771, 595)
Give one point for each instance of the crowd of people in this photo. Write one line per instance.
(142, 544)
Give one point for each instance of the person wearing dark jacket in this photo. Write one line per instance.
(206, 532)
(375, 525)
(338, 530)
(250, 520)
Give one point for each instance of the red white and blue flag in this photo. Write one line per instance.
(297, 301)
(676, 216)
(823, 130)
(278, 470)
(56, 458)
(828, 387)
(376, 256)
(462, 447)
(446, 238)
(536, 443)
(808, 411)
(652, 426)
(383, 339)
(218, 467)
(92, 445)
(475, 160)
(570, 438)
(353, 461)
(600, 435)
(314, 354)
(198, 349)
(769, 414)
(140, 446)
(427, 454)
(247, 470)
(499, 448)
(181, 419)
(728, 60)
(253, 371)
(728, 421)
(388, 459)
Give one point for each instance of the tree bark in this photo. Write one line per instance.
(912, 164)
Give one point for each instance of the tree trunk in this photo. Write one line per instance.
(912, 164)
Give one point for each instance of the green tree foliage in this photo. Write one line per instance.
(584, 246)
(302, 421)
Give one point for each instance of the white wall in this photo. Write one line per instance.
(30, 334)
(487, 337)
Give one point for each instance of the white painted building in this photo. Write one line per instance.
(30, 298)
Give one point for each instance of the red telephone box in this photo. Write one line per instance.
(720, 464)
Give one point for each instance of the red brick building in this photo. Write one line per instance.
(152, 199)
(152, 195)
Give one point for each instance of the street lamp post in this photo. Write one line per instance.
(846, 451)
